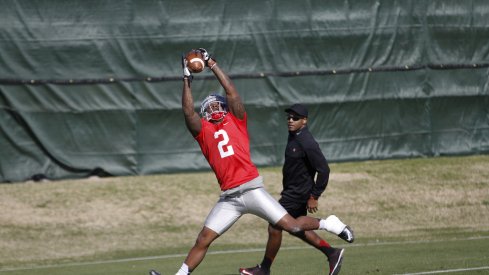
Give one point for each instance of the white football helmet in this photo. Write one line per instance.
(213, 107)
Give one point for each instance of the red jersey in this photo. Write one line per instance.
(226, 146)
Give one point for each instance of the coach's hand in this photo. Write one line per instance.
(312, 205)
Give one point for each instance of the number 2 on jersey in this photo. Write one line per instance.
(224, 149)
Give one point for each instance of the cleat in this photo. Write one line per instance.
(347, 234)
(154, 272)
(335, 261)
(257, 270)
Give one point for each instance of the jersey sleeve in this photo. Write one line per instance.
(319, 163)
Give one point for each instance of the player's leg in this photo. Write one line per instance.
(331, 224)
(295, 226)
(259, 202)
(313, 239)
(273, 246)
(334, 255)
(198, 251)
(222, 216)
(271, 251)
(296, 210)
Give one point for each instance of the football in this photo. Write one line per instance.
(195, 61)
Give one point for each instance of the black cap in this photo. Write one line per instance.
(299, 109)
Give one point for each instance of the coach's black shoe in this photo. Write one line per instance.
(335, 260)
(347, 234)
(154, 272)
(257, 270)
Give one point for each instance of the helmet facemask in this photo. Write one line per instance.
(213, 107)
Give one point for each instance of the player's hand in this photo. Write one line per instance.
(205, 54)
(207, 57)
(186, 72)
(312, 205)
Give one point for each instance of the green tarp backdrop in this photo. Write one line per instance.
(94, 87)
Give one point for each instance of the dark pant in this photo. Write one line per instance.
(295, 209)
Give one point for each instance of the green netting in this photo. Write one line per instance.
(93, 87)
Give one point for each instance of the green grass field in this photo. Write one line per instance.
(453, 255)
(414, 216)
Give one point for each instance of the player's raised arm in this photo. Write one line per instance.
(192, 119)
(235, 104)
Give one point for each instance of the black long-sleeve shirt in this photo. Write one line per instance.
(303, 159)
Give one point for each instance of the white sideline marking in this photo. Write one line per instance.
(447, 271)
(254, 250)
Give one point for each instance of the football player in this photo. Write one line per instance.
(222, 134)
